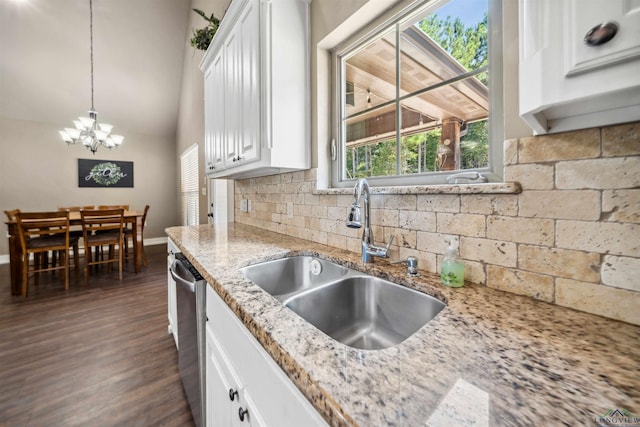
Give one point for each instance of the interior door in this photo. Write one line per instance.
(210, 201)
(220, 201)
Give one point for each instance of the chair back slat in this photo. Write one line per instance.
(99, 221)
(107, 207)
(75, 208)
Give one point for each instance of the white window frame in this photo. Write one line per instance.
(494, 171)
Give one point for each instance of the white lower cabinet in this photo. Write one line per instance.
(172, 249)
(245, 387)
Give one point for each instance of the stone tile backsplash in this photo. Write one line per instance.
(571, 237)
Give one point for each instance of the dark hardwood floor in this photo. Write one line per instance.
(96, 355)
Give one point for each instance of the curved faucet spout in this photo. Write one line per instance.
(355, 215)
(361, 192)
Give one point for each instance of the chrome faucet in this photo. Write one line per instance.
(369, 249)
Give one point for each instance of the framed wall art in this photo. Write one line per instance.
(104, 173)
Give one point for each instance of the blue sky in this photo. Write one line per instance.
(470, 12)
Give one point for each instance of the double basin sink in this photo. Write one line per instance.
(354, 308)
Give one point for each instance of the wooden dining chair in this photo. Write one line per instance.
(39, 233)
(102, 228)
(74, 237)
(128, 234)
(16, 270)
(11, 216)
(74, 230)
(102, 207)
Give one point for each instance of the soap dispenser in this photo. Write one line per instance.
(452, 269)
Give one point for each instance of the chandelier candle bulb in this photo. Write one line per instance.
(452, 269)
(86, 122)
(105, 127)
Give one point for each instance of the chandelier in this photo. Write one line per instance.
(87, 130)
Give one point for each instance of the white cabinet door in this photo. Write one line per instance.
(583, 15)
(214, 114)
(249, 28)
(242, 100)
(249, 412)
(218, 387)
(232, 103)
(566, 84)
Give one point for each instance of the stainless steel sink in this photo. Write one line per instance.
(284, 276)
(366, 312)
(356, 309)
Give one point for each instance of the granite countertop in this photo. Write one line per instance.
(488, 358)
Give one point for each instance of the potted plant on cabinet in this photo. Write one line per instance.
(202, 37)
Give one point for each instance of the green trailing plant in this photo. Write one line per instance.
(202, 37)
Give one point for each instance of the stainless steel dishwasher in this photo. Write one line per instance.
(190, 296)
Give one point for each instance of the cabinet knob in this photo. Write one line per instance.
(601, 34)
(242, 413)
(232, 394)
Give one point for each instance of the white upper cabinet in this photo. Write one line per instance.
(566, 83)
(257, 90)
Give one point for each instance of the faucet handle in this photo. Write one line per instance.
(386, 251)
(379, 251)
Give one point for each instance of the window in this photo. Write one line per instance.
(189, 186)
(414, 96)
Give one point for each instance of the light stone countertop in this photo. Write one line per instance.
(489, 357)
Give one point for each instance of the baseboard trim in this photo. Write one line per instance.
(4, 259)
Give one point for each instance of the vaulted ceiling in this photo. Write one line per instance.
(138, 54)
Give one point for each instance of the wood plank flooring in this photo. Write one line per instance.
(98, 355)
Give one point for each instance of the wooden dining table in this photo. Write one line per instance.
(130, 217)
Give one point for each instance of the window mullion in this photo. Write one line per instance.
(419, 92)
(445, 83)
(398, 107)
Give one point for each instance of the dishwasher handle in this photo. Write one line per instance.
(189, 285)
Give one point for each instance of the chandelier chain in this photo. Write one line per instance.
(87, 130)
(91, 42)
